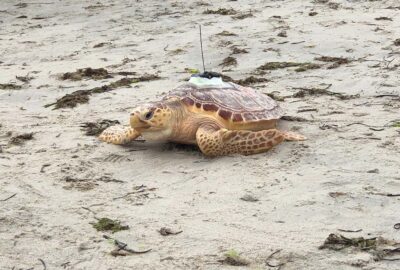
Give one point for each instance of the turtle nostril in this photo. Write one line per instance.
(132, 114)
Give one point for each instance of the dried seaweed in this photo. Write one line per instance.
(339, 242)
(101, 44)
(106, 224)
(226, 34)
(95, 128)
(236, 50)
(21, 5)
(9, 86)
(226, 78)
(92, 73)
(24, 79)
(229, 61)
(20, 139)
(95, 6)
(176, 51)
(307, 66)
(331, 5)
(244, 82)
(340, 60)
(396, 124)
(125, 73)
(250, 81)
(336, 61)
(82, 96)
(71, 100)
(114, 85)
(321, 91)
(233, 258)
(242, 15)
(383, 19)
(276, 97)
(221, 11)
(377, 246)
(280, 65)
(79, 184)
(282, 33)
(145, 78)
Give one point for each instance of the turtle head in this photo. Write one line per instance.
(153, 121)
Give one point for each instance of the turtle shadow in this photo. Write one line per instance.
(178, 147)
(162, 147)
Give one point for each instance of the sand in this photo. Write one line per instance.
(56, 184)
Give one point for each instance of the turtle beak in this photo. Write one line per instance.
(137, 123)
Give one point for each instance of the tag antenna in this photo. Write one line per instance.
(201, 46)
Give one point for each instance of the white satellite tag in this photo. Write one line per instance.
(205, 82)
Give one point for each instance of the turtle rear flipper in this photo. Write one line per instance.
(119, 135)
(290, 136)
(217, 142)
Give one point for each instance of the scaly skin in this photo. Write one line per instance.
(170, 120)
(217, 142)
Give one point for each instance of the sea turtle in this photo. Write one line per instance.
(220, 117)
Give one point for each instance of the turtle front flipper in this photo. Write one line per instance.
(216, 142)
(119, 135)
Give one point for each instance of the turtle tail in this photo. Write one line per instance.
(290, 136)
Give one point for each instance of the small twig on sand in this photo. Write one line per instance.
(6, 199)
(341, 230)
(390, 252)
(40, 3)
(270, 256)
(392, 195)
(387, 95)
(43, 263)
(90, 210)
(142, 190)
(391, 260)
(44, 166)
(121, 246)
(307, 110)
(295, 118)
(385, 194)
(123, 196)
(167, 231)
(64, 265)
(139, 149)
(360, 123)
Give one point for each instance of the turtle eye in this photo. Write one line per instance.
(149, 115)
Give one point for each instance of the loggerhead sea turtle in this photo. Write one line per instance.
(220, 117)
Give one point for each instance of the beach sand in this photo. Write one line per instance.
(56, 183)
